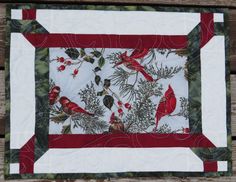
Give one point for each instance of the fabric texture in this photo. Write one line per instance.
(117, 91)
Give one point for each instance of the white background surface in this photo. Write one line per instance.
(71, 86)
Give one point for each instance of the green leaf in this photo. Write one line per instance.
(100, 93)
(130, 8)
(97, 54)
(41, 67)
(73, 53)
(107, 83)
(89, 59)
(97, 69)
(15, 26)
(97, 79)
(108, 101)
(66, 129)
(101, 62)
(147, 8)
(42, 88)
(82, 52)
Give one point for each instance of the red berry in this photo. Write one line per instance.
(127, 106)
(120, 111)
(60, 59)
(67, 62)
(119, 103)
(61, 68)
(76, 71)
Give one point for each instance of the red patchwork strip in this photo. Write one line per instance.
(29, 14)
(210, 166)
(26, 157)
(207, 28)
(136, 140)
(107, 40)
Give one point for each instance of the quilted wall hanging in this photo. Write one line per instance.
(116, 91)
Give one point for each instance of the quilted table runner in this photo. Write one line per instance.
(116, 91)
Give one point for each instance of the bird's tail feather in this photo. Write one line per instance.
(146, 75)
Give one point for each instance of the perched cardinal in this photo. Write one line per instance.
(71, 107)
(166, 106)
(53, 95)
(132, 64)
(139, 53)
(64, 100)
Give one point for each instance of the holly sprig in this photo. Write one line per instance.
(77, 57)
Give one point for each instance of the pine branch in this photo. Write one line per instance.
(114, 57)
(92, 103)
(165, 128)
(184, 107)
(141, 116)
(57, 115)
(163, 72)
(120, 76)
(128, 90)
(179, 52)
(90, 124)
(51, 83)
(184, 111)
(150, 57)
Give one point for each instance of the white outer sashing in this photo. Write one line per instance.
(22, 91)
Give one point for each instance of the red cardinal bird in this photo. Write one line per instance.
(112, 118)
(166, 106)
(64, 100)
(139, 53)
(132, 64)
(53, 94)
(71, 107)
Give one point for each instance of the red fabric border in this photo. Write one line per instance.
(207, 28)
(28, 14)
(26, 157)
(128, 140)
(107, 41)
(210, 166)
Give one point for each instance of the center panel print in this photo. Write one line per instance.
(114, 90)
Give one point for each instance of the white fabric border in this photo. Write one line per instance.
(14, 168)
(39, 167)
(222, 165)
(102, 160)
(213, 88)
(22, 91)
(16, 14)
(218, 17)
(117, 22)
